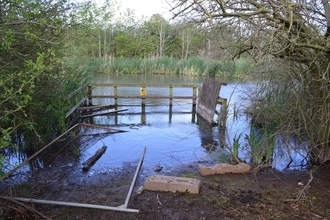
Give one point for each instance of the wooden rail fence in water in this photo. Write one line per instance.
(84, 97)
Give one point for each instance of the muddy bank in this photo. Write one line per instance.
(265, 195)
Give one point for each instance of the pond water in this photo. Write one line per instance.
(171, 136)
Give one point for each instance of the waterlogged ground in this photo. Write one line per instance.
(263, 195)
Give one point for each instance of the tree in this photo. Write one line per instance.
(160, 28)
(291, 32)
(32, 79)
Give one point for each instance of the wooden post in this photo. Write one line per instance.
(223, 113)
(194, 96)
(85, 94)
(115, 93)
(143, 93)
(89, 91)
(171, 94)
(143, 115)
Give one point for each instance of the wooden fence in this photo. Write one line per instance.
(84, 96)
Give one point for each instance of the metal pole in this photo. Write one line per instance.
(134, 179)
(81, 205)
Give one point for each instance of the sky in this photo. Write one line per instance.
(147, 7)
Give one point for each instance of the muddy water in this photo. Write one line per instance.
(171, 136)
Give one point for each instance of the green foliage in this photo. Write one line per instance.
(196, 66)
(262, 144)
(254, 140)
(213, 69)
(34, 82)
(76, 150)
(236, 145)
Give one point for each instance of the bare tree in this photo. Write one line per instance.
(294, 32)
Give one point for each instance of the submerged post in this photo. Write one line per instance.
(115, 94)
(89, 92)
(194, 96)
(171, 94)
(223, 118)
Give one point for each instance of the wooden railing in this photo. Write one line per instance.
(84, 96)
(145, 87)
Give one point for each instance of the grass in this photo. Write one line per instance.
(262, 144)
(236, 145)
(76, 150)
(195, 66)
(189, 175)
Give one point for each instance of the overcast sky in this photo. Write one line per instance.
(147, 7)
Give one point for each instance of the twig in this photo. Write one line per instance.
(158, 200)
(302, 192)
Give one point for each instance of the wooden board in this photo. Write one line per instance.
(208, 100)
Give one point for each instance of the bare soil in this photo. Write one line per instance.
(268, 194)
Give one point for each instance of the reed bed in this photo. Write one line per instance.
(195, 66)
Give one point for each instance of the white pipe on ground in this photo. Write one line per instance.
(81, 205)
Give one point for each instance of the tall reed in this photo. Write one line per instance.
(195, 66)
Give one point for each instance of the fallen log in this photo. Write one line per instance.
(91, 161)
(105, 113)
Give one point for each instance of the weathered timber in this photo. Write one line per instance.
(75, 107)
(140, 97)
(91, 161)
(104, 113)
(98, 107)
(209, 98)
(164, 85)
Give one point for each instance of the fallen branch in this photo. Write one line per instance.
(91, 161)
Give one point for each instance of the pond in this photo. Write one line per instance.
(171, 135)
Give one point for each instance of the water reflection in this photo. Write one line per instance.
(172, 133)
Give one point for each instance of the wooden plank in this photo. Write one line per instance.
(91, 161)
(104, 113)
(95, 107)
(77, 90)
(143, 85)
(208, 99)
(75, 107)
(145, 97)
